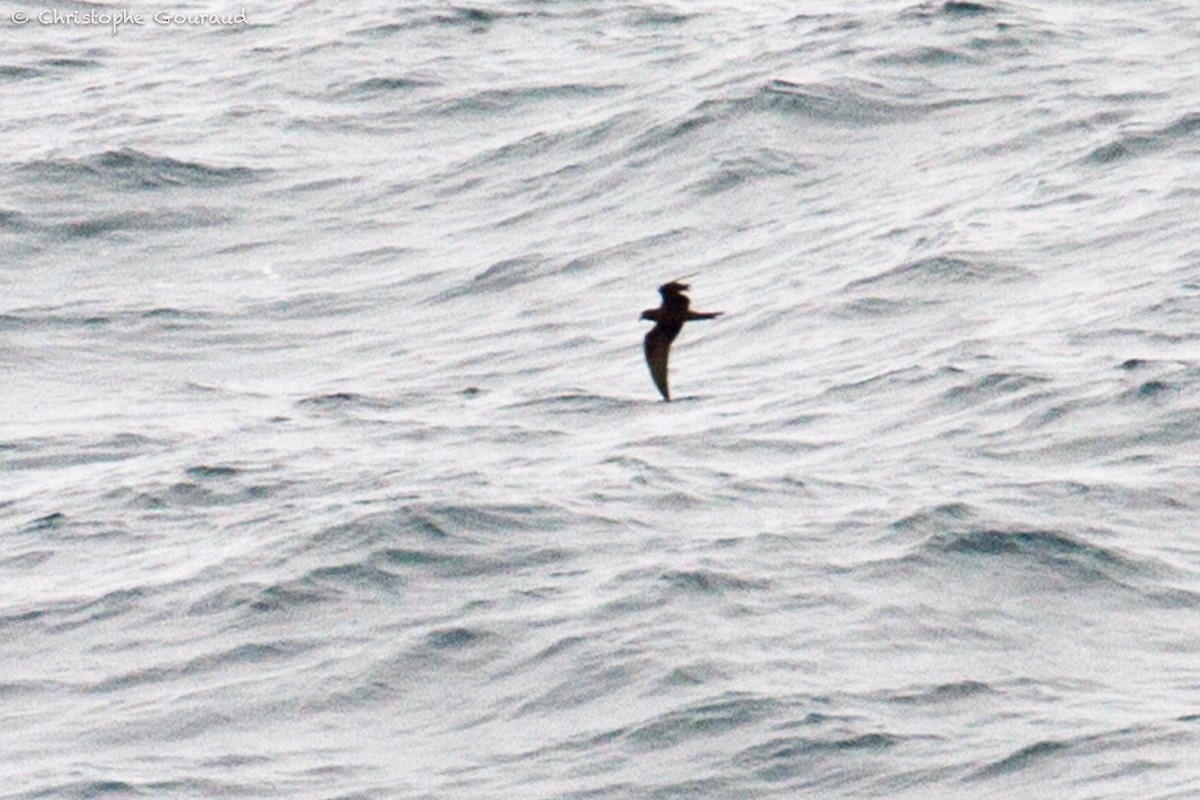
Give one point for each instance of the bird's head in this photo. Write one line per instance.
(650, 314)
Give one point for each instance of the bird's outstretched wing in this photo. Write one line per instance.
(658, 349)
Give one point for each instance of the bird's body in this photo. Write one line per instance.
(668, 318)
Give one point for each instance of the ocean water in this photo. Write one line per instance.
(330, 467)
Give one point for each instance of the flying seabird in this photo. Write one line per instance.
(668, 319)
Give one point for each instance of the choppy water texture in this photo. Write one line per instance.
(330, 467)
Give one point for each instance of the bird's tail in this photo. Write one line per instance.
(703, 315)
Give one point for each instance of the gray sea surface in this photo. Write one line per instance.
(330, 468)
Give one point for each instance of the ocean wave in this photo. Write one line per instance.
(1134, 144)
(1037, 753)
(942, 270)
(127, 168)
(786, 758)
(856, 103)
(100, 225)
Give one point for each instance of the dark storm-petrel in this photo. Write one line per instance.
(669, 319)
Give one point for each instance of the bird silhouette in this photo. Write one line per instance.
(668, 319)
